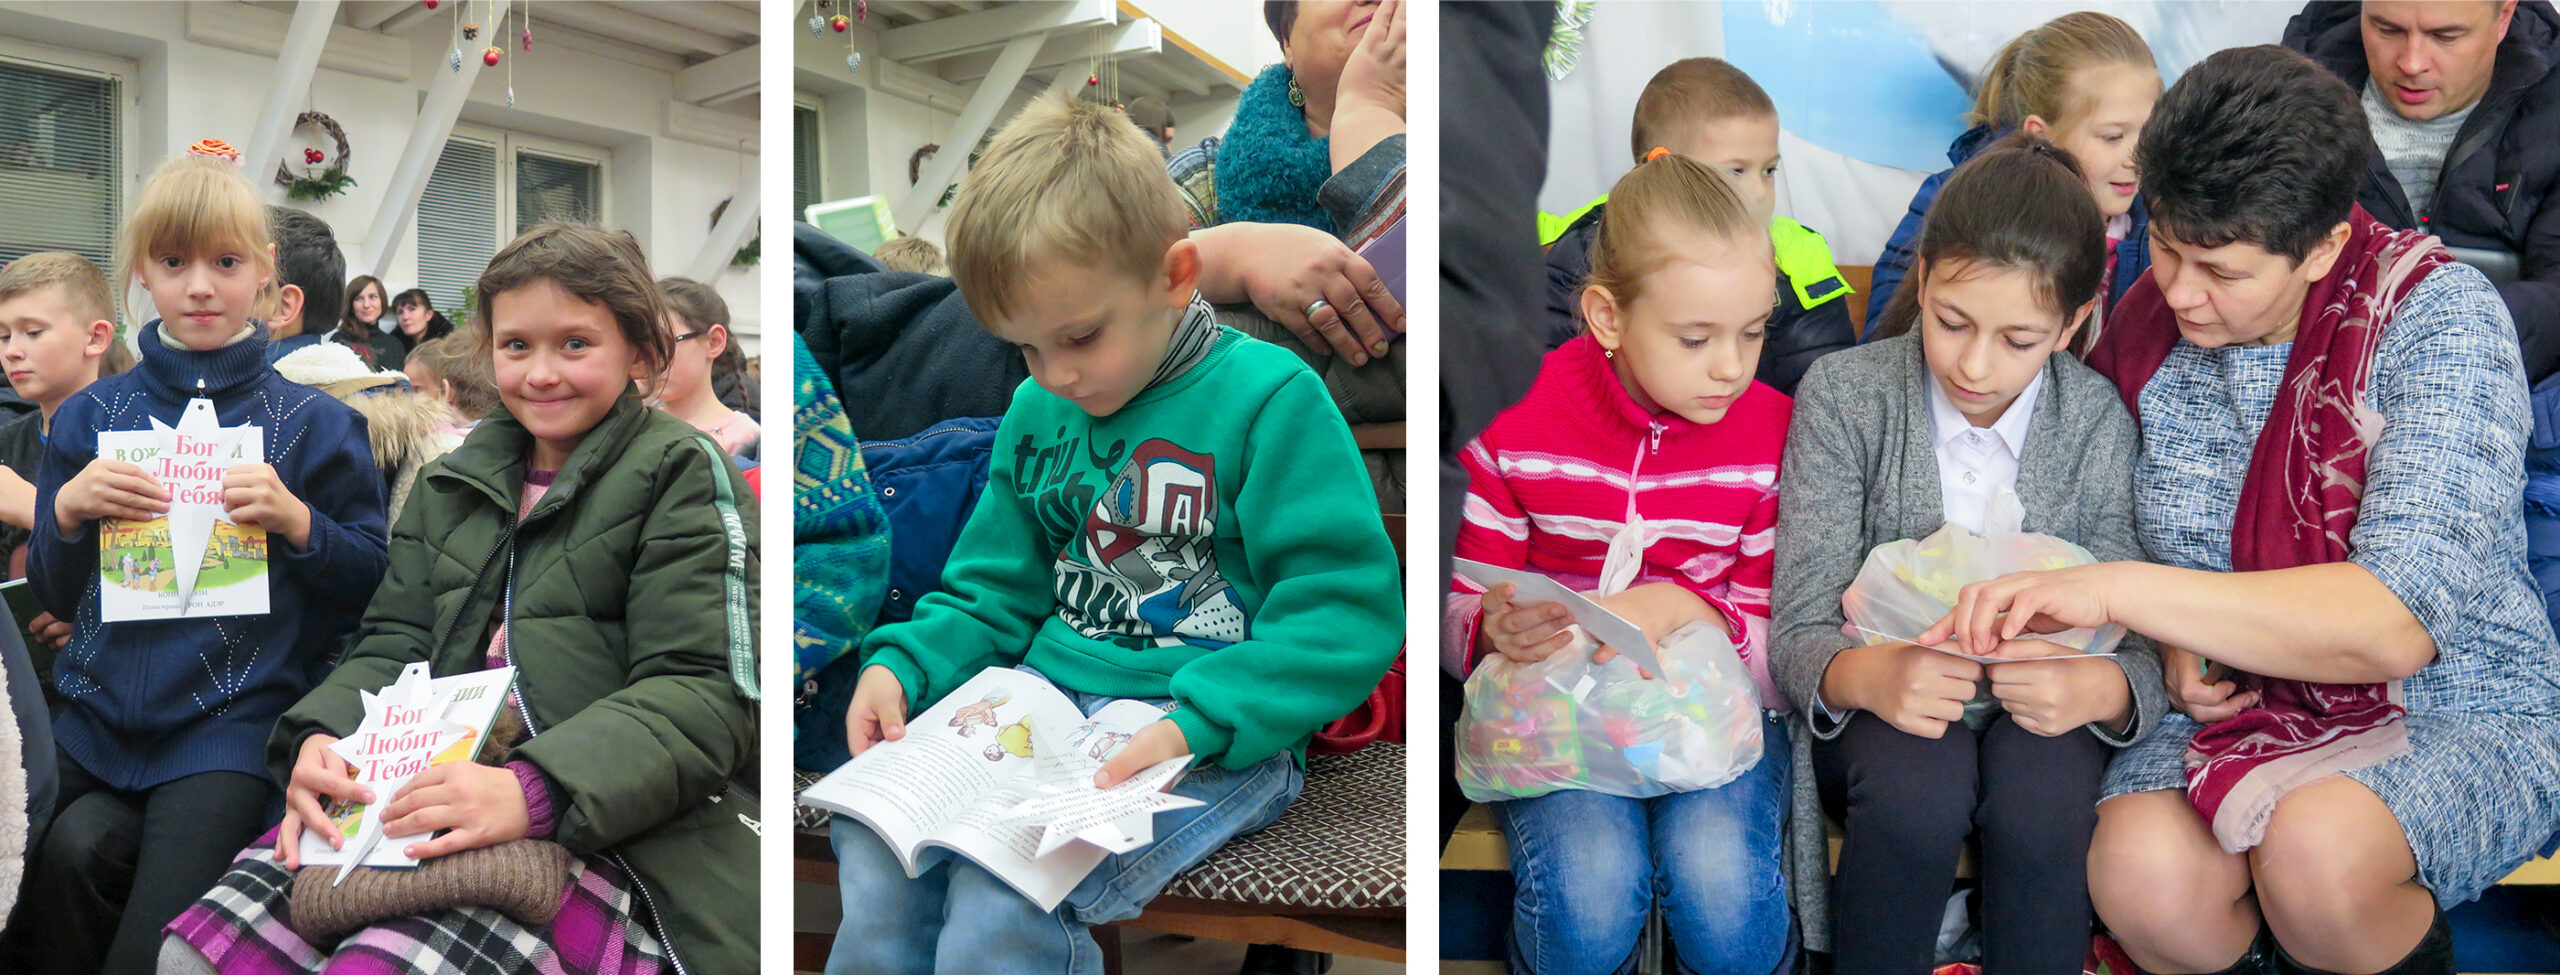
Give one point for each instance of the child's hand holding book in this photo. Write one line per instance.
(1154, 743)
(477, 805)
(108, 489)
(878, 712)
(254, 495)
(317, 772)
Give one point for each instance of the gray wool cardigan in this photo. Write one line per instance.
(1861, 470)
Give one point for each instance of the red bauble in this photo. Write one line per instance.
(1092, 80)
(431, 4)
(839, 23)
(489, 57)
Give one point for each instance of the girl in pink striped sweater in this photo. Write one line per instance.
(1647, 434)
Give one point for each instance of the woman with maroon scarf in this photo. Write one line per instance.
(2334, 420)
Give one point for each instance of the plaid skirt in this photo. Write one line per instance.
(240, 928)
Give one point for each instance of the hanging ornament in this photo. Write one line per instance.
(817, 27)
(453, 59)
(853, 61)
(1092, 80)
(528, 37)
(862, 9)
(431, 4)
(511, 96)
(470, 32)
(839, 23)
(490, 56)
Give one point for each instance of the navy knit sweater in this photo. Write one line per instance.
(148, 702)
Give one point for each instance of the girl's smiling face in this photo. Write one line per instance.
(561, 363)
(207, 296)
(2115, 100)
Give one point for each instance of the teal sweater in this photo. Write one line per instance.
(1214, 541)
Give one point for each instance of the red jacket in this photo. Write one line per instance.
(1556, 476)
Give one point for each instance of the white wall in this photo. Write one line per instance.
(661, 184)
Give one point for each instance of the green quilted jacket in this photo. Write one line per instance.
(632, 629)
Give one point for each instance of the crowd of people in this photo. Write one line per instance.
(2269, 345)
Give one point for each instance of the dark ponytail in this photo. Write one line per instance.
(2020, 204)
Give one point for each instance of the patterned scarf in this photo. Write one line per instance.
(1269, 168)
(2297, 507)
(840, 555)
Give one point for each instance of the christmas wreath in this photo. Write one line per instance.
(325, 182)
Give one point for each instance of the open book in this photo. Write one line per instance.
(413, 725)
(1001, 773)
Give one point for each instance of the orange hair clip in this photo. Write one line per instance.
(1657, 153)
(216, 148)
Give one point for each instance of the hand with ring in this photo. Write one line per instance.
(1307, 280)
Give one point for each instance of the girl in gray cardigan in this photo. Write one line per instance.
(1914, 750)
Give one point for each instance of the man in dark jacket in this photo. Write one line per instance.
(2491, 186)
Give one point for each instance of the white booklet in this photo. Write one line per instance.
(1000, 772)
(193, 561)
(415, 724)
(1609, 628)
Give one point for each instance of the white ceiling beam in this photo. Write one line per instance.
(1067, 48)
(992, 93)
(409, 15)
(907, 9)
(427, 135)
(369, 14)
(290, 87)
(633, 28)
(934, 40)
(722, 78)
(729, 22)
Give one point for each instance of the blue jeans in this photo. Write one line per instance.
(960, 918)
(1587, 868)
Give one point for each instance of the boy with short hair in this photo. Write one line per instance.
(311, 282)
(1176, 513)
(57, 328)
(1710, 111)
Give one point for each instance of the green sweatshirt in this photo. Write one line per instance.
(1215, 541)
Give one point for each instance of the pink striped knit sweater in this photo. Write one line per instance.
(1557, 475)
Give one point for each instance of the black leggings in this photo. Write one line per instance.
(1908, 803)
(118, 866)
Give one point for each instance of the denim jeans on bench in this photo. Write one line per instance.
(960, 918)
(1587, 868)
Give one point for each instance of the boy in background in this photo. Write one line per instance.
(1708, 110)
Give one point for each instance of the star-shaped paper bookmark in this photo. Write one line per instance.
(1119, 819)
(191, 525)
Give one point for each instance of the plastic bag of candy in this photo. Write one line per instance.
(1566, 723)
(1907, 586)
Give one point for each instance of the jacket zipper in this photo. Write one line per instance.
(524, 710)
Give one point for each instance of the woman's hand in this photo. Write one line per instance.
(476, 805)
(317, 772)
(2051, 690)
(1988, 614)
(1913, 688)
(878, 712)
(1284, 269)
(1374, 76)
(1525, 633)
(2207, 696)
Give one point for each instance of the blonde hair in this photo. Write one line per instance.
(912, 254)
(194, 205)
(83, 287)
(1688, 94)
(2032, 73)
(475, 388)
(1672, 193)
(1064, 179)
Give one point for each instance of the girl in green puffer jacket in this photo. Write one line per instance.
(599, 547)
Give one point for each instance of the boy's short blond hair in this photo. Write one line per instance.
(195, 205)
(1689, 94)
(912, 254)
(1067, 180)
(82, 286)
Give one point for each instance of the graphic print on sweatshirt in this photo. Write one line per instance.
(1143, 570)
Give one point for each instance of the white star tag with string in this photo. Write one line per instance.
(199, 438)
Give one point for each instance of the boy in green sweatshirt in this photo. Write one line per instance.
(1176, 513)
